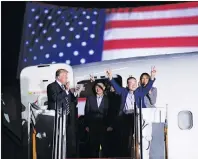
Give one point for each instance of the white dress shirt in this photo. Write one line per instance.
(99, 100)
(129, 105)
(60, 84)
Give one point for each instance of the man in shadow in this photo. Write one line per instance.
(96, 109)
(112, 134)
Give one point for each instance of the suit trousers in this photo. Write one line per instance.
(69, 134)
(126, 131)
(111, 143)
(96, 137)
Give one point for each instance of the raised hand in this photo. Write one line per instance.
(92, 78)
(153, 72)
(109, 74)
(79, 88)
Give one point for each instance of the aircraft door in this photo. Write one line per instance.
(34, 81)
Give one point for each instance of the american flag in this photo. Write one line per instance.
(75, 36)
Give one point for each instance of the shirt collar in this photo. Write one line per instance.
(60, 84)
(131, 93)
(99, 96)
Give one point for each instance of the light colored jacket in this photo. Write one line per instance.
(150, 99)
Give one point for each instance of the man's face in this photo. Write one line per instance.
(132, 84)
(63, 77)
(144, 80)
(98, 90)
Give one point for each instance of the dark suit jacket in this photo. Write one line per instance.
(114, 107)
(93, 112)
(139, 93)
(56, 94)
(72, 98)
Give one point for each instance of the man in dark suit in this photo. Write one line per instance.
(58, 92)
(96, 109)
(112, 135)
(129, 96)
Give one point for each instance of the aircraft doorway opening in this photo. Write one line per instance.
(89, 86)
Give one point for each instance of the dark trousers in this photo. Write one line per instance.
(111, 143)
(126, 127)
(96, 138)
(70, 153)
(71, 139)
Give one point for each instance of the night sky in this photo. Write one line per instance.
(12, 14)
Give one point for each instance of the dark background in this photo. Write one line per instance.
(12, 14)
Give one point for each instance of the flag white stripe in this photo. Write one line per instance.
(175, 13)
(81, 107)
(151, 32)
(126, 53)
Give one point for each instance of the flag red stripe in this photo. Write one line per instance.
(151, 22)
(154, 8)
(151, 42)
(81, 99)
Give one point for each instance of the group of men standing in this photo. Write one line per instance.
(108, 116)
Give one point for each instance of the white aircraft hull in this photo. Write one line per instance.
(176, 82)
